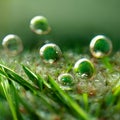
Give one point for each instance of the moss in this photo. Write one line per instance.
(98, 89)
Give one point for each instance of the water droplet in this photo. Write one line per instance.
(50, 53)
(66, 81)
(84, 68)
(39, 25)
(12, 44)
(100, 46)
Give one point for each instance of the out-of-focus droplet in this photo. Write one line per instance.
(66, 81)
(100, 46)
(12, 44)
(84, 68)
(39, 25)
(50, 53)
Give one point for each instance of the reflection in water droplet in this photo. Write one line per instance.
(84, 68)
(12, 44)
(100, 46)
(39, 25)
(66, 81)
(50, 53)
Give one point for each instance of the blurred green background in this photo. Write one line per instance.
(72, 21)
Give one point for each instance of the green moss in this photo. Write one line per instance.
(33, 87)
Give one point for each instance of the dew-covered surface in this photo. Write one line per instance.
(103, 83)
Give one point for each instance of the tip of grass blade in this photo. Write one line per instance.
(30, 74)
(11, 75)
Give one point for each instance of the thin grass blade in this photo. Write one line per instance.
(69, 101)
(6, 88)
(10, 74)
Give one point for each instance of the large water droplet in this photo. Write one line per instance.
(84, 68)
(12, 44)
(100, 46)
(50, 53)
(39, 25)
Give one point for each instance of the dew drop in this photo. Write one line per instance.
(12, 44)
(66, 81)
(50, 53)
(39, 25)
(100, 46)
(84, 68)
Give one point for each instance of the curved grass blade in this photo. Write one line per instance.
(37, 79)
(6, 88)
(10, 74)
(30, 74)
(70, 102)
(33, 77)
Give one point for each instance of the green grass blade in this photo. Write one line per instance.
(6, 88)
(33, 77)
(43, 81)
(107, 64)
(37, 79)
(70, 102)
(27, 107)
(30, 74)
(116, 91)
(49, 103)
(10, 74)
(85, 100)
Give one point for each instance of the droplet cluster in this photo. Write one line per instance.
(50, 53)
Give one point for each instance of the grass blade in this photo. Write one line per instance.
(6, 88)
(33, 77)
(69, 101)
(30, 74)
(10, 74)
(85, 100)
(107, 64)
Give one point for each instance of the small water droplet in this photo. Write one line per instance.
(100, 46)
(39, 25)
(84, 68)
(66, 81)
(50, 53)
(12, 44)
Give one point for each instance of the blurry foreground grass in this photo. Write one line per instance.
(29, 89)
